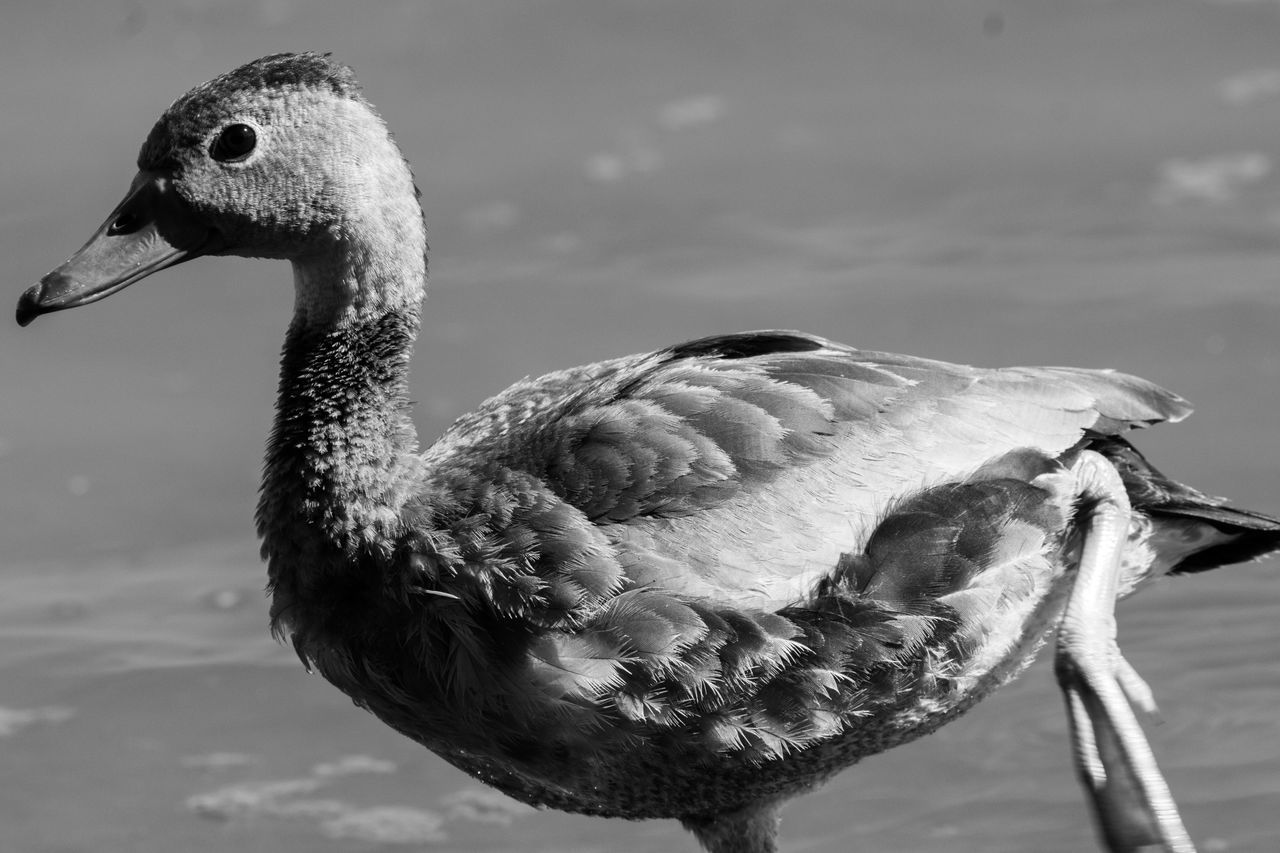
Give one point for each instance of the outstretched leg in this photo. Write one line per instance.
(1131, 800)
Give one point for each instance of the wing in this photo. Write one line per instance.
(741, 467)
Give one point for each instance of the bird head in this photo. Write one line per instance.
(280, 158)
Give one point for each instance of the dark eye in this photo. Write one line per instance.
(234, 143)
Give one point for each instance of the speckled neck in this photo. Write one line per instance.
(343, 446)
(342, 455)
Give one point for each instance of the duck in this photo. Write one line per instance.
(688, 584)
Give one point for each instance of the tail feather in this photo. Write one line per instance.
(1254, 536)
(1250, 535)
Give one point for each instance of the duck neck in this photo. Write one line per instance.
(342, 454)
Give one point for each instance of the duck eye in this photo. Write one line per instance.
(235, 143)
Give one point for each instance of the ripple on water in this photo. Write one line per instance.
(335, 817)
(387, 825)
(14, 720)
(220, 760)
(350, 764)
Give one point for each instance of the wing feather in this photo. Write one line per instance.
(745, 465)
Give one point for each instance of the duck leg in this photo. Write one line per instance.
(753, 829)
(1131, 800)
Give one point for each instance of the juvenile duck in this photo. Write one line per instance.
(686, 584)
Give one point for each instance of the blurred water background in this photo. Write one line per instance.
(990, 182)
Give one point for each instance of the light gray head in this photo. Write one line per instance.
(280, 158)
